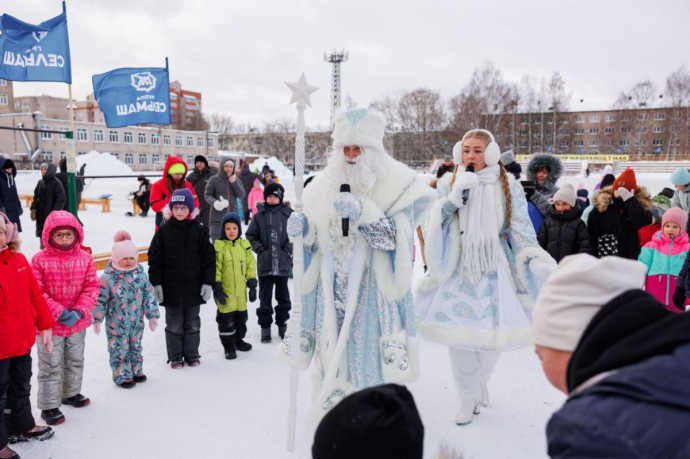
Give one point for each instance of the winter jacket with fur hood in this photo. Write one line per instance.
(219, 186)
(564, 234)
(48, 196)
(622, 219)
(548, 188)
(664, 258)
(9, 197)
(68, 279)
(23, 309)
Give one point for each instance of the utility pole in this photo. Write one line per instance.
(335, 58)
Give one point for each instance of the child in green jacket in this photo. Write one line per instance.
(235, 272)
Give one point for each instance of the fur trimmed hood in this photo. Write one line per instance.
(604, 197)
(545, 159)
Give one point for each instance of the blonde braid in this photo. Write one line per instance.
(506, 193)
(452, 179)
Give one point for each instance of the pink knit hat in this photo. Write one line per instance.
(675, 215)
(123, 248)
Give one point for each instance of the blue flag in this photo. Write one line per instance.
(130, 96)
(35, 52)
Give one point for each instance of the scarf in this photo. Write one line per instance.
(479, 227)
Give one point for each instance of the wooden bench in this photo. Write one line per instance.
(27, 198)
(102, 259)
(105, 203)
(136, 210)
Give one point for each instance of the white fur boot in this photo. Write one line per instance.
(484, 397)
(468, 408)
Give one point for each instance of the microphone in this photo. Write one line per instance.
(466, 193)
(345, 188)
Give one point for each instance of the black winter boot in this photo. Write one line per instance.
(281, 331)
(77, 401)
(243, 346)
(52, 417)
(265, 335)
(230, 353)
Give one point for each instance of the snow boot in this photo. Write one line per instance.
(281, 331)
(230, 353)
(484, 397)
(176, 364)
(265, 335)
(37, 435)
(243, 346)
(53, 417)
(468, 408)
(127, 384)
(77, 401)
(193, 362)
(140, 378)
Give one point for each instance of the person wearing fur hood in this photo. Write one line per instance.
(619, 212)
(480, 290)
(544, 169)
(221, 194)
(357, 322)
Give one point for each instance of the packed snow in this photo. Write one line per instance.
(239, 408)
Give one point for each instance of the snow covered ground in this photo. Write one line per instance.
(238, 408)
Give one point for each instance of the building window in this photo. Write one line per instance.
(658, 129)
(155, 139)
(593, 143)
(579, 119)
(594, 118)
(3, 83)
(166, 140)
(82, 134)
(115, 154)
(156, 158)
(141, 138)
(609, 130)
(114, 136)
(62, 129)
(660, 116)
(624, 143)
(523, 132)
(98, 135)
(4, 100)
(210, 142)
(523, 143)
(47, 135)
(610, 118)
(579, 131)
(129, 159)
(63, 155)
(579, 143)
(128, 137)
(657, 142)
(178, 140)
(627, 117)
(142, 160)
(190, 159)
(47, 156)
(642, 116)
(594, 130)
(626, 130)
(200, 142)
(607, 143)
(190, 141)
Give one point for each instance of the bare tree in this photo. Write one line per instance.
(677, 92)
(224, 126)
(560, 102)
(388, 106)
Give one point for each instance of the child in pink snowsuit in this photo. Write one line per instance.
(67, 276)
(256, 196)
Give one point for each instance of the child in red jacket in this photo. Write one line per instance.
(23, 311)
(67, 276)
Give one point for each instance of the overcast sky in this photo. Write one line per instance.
(239, 53)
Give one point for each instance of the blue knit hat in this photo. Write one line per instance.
(183, 196)
(230, 217)
(680, 176)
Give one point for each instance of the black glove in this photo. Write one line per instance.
(218, 293)
(252, 294)
(251, 283)
(679, 298)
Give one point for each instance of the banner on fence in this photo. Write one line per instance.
(596, 158)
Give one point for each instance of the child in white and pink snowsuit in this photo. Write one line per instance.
(256, 196)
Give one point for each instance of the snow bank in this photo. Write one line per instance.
(102, 164)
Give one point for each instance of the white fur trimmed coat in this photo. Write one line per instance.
(493, 313)
(378, 341)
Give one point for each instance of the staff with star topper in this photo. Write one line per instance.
(357, 322)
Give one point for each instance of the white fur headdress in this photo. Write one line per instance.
(491, 155)
(359, 126)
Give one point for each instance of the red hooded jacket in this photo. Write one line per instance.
(160, 193)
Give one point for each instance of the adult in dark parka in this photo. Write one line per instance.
(199, 178)
(221, 193)
(9, 198)
(49, 195)
(62, 176)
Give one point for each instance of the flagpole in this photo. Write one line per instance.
(300, 94)
(71, 157)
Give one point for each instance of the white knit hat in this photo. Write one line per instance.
(566, 193)
(359, 126)
(507, 157)
(575, 292)
(492, 153)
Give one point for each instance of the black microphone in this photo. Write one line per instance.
(466, 193)
(345, 188)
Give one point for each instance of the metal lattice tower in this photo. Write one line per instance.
(335, 58)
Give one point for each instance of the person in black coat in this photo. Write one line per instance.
(620, 356)
(267, 233)
(199, 178)
(182, 270)
(619, 213)
(9, 197)
(247, 178)
(563, 232)
(62, 176)
(49, 195)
